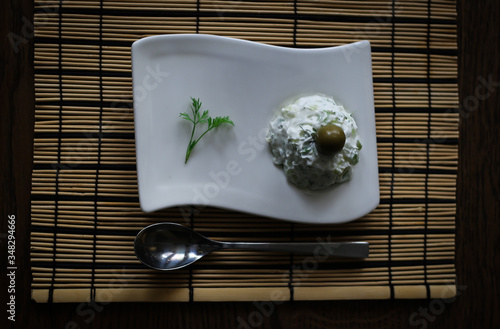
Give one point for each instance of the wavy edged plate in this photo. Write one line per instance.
(232, 167)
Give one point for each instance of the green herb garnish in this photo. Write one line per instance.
(198, 118)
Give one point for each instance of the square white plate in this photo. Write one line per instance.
(231, 167)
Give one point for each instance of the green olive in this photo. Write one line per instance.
(330, 139)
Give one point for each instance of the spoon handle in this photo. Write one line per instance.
(318, 249)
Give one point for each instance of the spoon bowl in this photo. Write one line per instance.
(170, 246)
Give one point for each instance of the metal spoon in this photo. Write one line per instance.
(170, 246)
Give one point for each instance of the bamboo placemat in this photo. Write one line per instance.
(85, 210)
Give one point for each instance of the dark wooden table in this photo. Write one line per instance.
(478, 216)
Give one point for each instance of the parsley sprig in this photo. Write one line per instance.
(200, 118)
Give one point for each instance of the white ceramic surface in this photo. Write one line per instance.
(232, 167)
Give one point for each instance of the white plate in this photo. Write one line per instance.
(232, 167)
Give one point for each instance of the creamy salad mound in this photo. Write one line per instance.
(316, 141)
